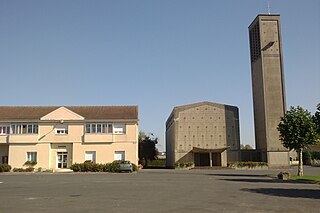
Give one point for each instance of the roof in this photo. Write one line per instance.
(178, 109)
(189, 106)
(88, 112)
(263, 15)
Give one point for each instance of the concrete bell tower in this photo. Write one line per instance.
(268, 88)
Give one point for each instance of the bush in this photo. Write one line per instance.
(18, 170)
(134, 167)
(30, 163)
(157, 163)
(183, 164)
(248, 164)
(89, 166)
(114, 166)
(76, 167)
(29, 169)
(306, 157)
(309, 156)
(5, 168)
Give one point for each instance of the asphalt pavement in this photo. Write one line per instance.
(161, 190)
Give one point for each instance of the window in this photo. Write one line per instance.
(119, 155)
(119, 129)
(32, 156)
(88, 130)
(29, 129)
(93, 128)
(254, 36)
(24, 128)
(4, 130)
(4, 159)
(61, 130)
(110, 128)
(99, 128)
(90, 155)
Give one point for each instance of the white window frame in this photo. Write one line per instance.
(4, 129)
(98, 128)
(23, 128)
(117, 128)
(32, 156)
(93, 155)
(121, 153)
(61, 130)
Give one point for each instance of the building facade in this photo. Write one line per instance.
(268, 88)
(56, 137)
(204, 133)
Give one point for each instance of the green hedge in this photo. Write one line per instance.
(89, 166)
(246, 164)
(158, 162)
(183, 164)
(30, 163)
(29, 169)
(308, 156)
(5, 168)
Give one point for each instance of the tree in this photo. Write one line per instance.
(297, 131)
(246, 147)
(316, 118)
(147, 147)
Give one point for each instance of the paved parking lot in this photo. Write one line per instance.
(158, 191)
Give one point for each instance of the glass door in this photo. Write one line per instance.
(62, 160)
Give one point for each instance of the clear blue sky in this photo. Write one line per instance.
(154, 54)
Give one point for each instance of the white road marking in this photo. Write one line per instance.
(31, 198)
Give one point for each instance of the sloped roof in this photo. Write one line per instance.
(189, 106)
(178, 109)
(88, 112)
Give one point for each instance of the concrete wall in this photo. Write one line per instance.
(170, 144)
(268, 87)
(278, 159)
(205, 126)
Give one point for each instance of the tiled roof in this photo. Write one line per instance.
(88, 112)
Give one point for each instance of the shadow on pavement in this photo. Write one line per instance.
(292, 193)
(264, 180)
(238, 175)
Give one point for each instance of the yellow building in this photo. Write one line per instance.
(56, 137)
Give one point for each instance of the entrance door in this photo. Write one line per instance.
(62, 160)
(216, 159)
(201, 159)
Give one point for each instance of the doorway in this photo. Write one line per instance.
(216, 159)
(201, 159)
(62, 160)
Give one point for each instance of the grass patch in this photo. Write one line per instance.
(309, 178)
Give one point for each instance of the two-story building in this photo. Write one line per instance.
(57, 136)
